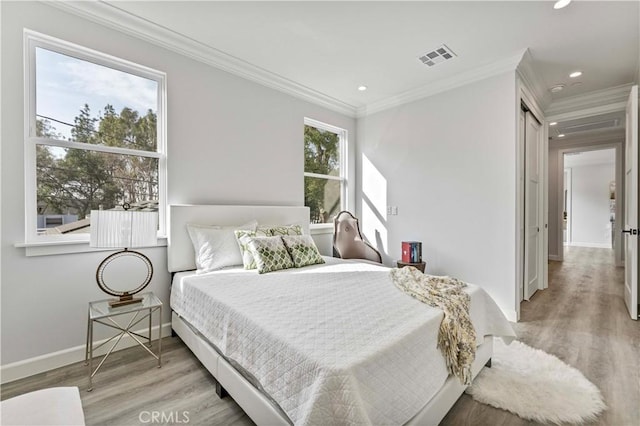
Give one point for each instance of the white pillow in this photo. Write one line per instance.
(216, 246)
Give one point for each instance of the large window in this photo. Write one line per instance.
(94, 137)
(324, 170)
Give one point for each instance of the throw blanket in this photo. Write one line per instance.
(456, 336)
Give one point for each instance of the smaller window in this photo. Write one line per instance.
(324, 170)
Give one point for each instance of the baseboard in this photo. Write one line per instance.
(511, 314)
(39, 364)
(592, 245)
(555, 258)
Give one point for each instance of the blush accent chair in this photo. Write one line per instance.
(348, 242)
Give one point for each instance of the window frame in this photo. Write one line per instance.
(344, 169)
(33, 40)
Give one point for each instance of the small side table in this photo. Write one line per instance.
(100, 311)
(419, 265)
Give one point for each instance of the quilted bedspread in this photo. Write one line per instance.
(331, 344)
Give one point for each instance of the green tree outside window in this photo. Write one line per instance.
(322, 157)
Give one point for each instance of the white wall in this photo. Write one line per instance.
(590, 225)
(230, 141)
(448, 162)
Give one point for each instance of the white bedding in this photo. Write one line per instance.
(331, 344)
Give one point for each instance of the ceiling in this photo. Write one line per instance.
(333, 47)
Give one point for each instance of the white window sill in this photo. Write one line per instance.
(321, 228)
(48, 248)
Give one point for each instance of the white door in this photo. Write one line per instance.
(532, 216)
(631, 207)
(523, 127)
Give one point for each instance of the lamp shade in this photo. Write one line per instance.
(123, 228)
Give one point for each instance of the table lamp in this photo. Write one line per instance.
(123, 229)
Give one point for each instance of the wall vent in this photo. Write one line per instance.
(585, 127)
(436, 56)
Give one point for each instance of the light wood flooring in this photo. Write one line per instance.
(581, 318)
(129, 385)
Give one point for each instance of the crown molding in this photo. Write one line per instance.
(115, 18)
(532, 81)
(608, 100)
(443, 85)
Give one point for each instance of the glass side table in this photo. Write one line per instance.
(100, 312)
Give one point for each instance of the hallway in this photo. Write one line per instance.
(582, 319)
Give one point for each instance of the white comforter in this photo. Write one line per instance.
(331, 344)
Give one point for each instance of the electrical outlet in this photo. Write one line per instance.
(394, 210)
(389, 211)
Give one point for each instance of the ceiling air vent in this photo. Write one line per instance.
(594, 125)
(441, 54)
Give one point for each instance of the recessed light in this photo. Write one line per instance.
(553, 123)
(575, 74)
(362, 88)
(561, 3)
(557, 88)
(561, 135)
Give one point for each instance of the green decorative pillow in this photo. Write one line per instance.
(303, 250)
(243, 237)
(285, 230)
(270, 254)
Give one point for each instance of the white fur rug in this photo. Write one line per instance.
(536, 386)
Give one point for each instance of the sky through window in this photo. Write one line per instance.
(65, 84)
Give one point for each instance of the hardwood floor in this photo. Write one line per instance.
(129, 388)
(581, 318)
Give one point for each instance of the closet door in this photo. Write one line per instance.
(532, 206)
(521, 239)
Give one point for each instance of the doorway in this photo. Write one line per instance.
(597, 128)
(587, 192)
(592, 216)
(583, 150)
(589, 199)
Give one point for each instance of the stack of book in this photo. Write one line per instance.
(411, 251)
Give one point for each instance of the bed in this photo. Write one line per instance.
(335, 343)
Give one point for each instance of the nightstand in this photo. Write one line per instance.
(100, 312)
(418, 265)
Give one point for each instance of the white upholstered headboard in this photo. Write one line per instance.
(180, 249)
